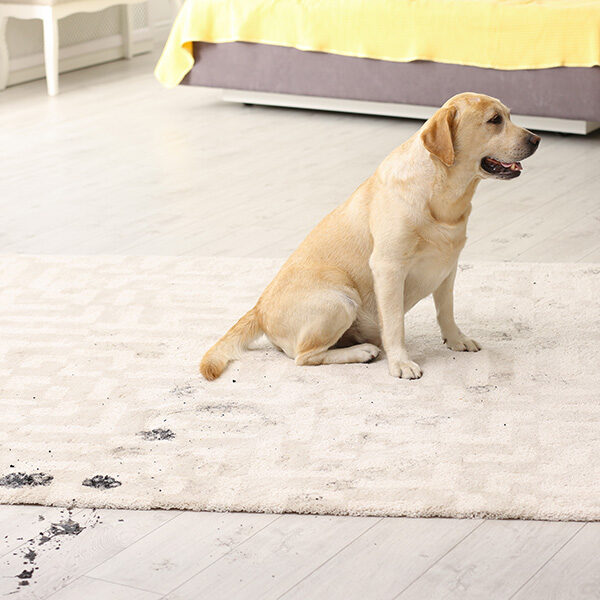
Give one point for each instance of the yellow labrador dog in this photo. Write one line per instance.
(344, 292)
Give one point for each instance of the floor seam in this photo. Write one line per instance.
(545, 563)
(439, 559)
(157, 594)
(582, 259)
(134, 542)
(222, 556)
(328, 559)
(127, 585)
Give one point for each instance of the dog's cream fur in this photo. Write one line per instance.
(344, 292)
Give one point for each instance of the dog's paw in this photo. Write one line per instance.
(367, 352)
(463, 344)
(405, 370)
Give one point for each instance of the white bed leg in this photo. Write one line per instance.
(4, 64)
(126, 30)
(51, 51)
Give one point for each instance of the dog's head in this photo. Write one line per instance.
(476, 130)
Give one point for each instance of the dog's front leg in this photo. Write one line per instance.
(388, 279)
(453, 337)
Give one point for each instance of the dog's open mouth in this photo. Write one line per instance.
(504, 170)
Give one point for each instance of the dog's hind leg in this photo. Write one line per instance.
(360, 353)
(325, 328)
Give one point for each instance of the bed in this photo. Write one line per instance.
(395, 57)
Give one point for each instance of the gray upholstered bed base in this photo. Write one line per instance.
(561, 93)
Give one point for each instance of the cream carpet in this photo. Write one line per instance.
(102, 405)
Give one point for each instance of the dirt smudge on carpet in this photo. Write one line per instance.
(17, 480)
(157, 434)
(101, 482)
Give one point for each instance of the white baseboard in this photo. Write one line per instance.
(410, 111)
(86, 54)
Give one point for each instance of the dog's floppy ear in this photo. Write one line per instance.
(437, 135)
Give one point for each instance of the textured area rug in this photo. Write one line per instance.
(102, 405)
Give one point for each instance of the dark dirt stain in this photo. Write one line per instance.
(182, 390)
(157, 434)
(501, 376)
(26, 574)
(216, 408)
(101, 482)
(66, 527)
(30, 555)
(17, 480)
(482, 388)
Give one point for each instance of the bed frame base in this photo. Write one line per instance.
(410, 111)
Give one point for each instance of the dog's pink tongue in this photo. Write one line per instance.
(516, 166)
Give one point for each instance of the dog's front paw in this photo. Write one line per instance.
(405, 369)
(463, 344)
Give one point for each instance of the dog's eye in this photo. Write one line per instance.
(496, 119)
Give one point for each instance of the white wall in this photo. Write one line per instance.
(85, 39)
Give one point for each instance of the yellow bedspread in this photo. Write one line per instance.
(501, 34)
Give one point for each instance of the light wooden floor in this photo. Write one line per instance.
(115, 164)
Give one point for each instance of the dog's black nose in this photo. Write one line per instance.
(534, 140)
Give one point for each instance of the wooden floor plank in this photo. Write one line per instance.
(384, 560)
(493, 562)
(274, 559)
(573, 573)
(251, 179)
(82, 540)
(172, 554)
(96, 589)
(591, 257)
(572, 245)
(550, 220)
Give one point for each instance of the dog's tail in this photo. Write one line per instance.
(230, 345)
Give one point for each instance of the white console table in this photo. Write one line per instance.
(50, 11)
